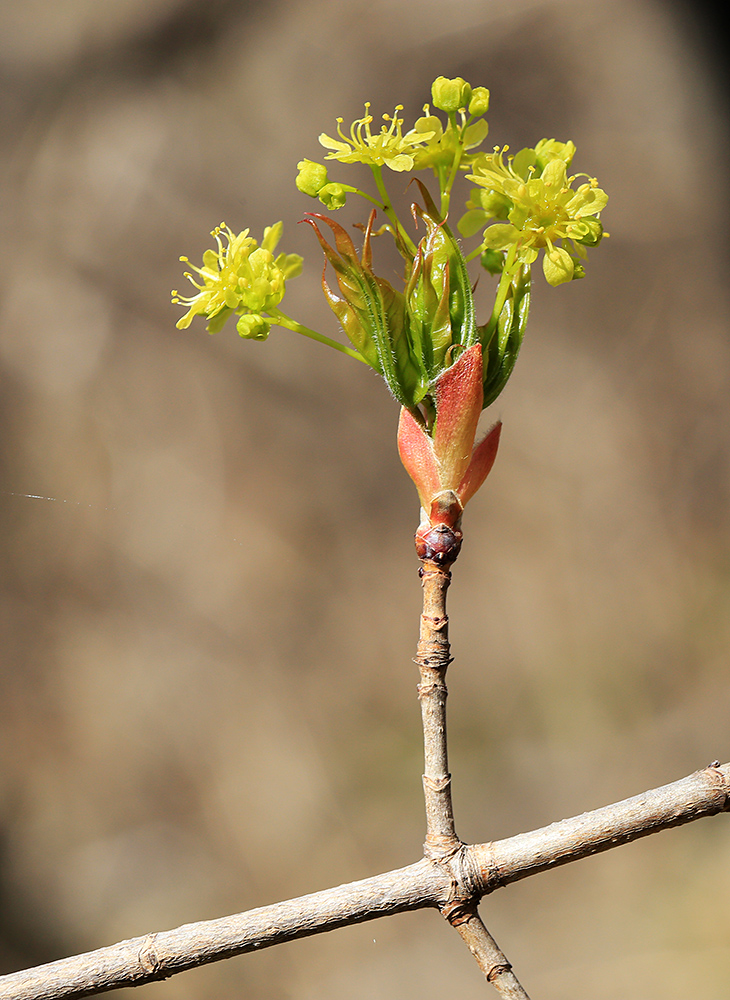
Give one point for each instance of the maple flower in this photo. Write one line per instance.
(239, 277)
(442, 146)
(534, 194)
(388, 147)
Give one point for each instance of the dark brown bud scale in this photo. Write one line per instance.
(438, 543)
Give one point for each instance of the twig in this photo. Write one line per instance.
(442, 845)
(433, 658)
(489, 956)
(481, 868)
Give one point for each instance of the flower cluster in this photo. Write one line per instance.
(423, 337)
(239, 277)
(542, 210)
(431, 144)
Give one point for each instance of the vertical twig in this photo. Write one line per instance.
(433, 658)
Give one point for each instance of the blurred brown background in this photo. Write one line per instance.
(207, 697)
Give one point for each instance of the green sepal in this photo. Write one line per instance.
(502, 346)
(462, 315)
(428, 298)
(372, 313)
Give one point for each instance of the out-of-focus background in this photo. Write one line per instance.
(207, 699)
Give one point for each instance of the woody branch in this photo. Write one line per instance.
(478, 869)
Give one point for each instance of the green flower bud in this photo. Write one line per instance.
(492, 261)
(333, 196)
(450, 95)
(588, 232)
(551, 149)
(311, 178)
(479, 103)
(494, 204)
(253, 327)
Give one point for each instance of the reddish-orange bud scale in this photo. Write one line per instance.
(416, 454)
(447, 469)
(480, 466)
(459, 396)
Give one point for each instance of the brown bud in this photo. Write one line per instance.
(439, 544)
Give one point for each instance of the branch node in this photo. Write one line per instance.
(459, 911)
(466, 873)
(431, 569)
(441, 848)
(148, 957)
(436, 624)
(424, 690)
(437, 784)
(498, 970)
(719, 778)
(436, 660)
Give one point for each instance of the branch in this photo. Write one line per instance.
(479, 869)
(704, 793)
(158, 956)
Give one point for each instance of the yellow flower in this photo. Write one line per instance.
(442, 145)
(388, 147)
(241, 277)
(534, 193)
